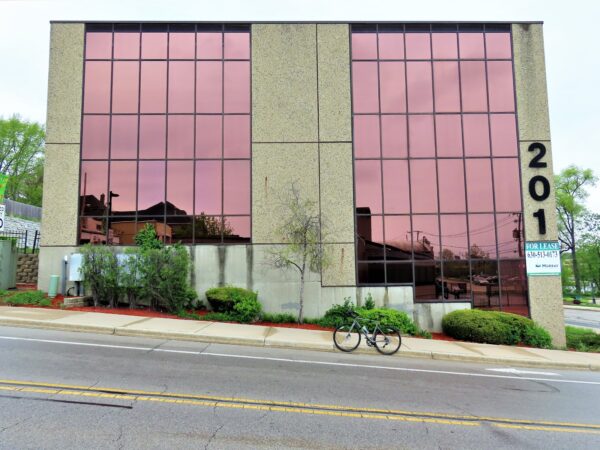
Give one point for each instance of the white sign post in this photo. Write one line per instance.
(2, 209)
(543, 258)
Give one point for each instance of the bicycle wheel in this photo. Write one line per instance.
(346, 338)
(387, 340)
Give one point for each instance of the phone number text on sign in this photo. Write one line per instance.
(542, 258)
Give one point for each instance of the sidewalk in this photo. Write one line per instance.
(228, 333)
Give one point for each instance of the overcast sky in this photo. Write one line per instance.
(570, 29)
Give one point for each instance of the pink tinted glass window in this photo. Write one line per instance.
(423, 186)
(498, 45)
(153, 136)
(182, 45)
(395, 187)
(421, 141)
(367, 176)
(98, 45)
(208, 136)
(125, 86)
(418, 46)
(507, 186)
(392, 87)
(452, 185)
(240, 228)
(448, 135)
(391, 46)
(95, 136)
(180, 180)
(364, 46)
(208, 187)
(210, 46)
(366, 136)
(127, 46)
(237, 87)
(474, 94)
(446, 86)
(476, 134)
(444, 45)
(153, 90)
(236, 187)
(479, 185)
(94, 182)
(180, 136)
(482, 235)
(500, 83)
(237, 46)
(96, 96)
(471, 45)
(123, 183)
(454, 236)
(504, 134)
(237, 136)
(181, 87)
(151, 186)
(154, 45)
(394, 136)
(508, 225)
(123, 141)
(364, 87)
(397, 232)
(209, 87)
(426, 236)
(420, 89)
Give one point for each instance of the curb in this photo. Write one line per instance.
(121, 331)
(582, 308)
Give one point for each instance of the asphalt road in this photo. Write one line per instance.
(583, 318)
(74, 390)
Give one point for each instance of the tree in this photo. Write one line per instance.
(588, 251)
(571, 194)
(301, 234)
(21, 158)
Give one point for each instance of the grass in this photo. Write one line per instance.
(582, 339)
(585, 301)
(24, 298)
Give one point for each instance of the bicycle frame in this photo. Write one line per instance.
(362, 328)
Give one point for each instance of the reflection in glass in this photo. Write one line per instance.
(367, 178)
(371, 273)
(446, 86)
(209, 87)
(426, 237)
(472, 80)
(236, 187)
(448, 135)
(181, 87)
(451, 178)
(421, 137)
(395, 187)
(500, 83)
(364, 46)
(444, 45)
(391, 46)
(208, 187)
(125, 87)
(237, 136)
(507, 185)
(98, 45)
(420, 88)
(94, 139)
(237, 87)
(210, 46)
(498, 46)
(121, 196)
(392, 82)
(153, 90)
(476, 135)
(180, 179)
(394, 136)
(123, 144)
(154, 45)
(208, 136)
(482, 236)
(423, 186)
(127, 45)
(418, 46)
(455, 243)
(369, 243)
(485, 287)
(398, 238)
(504, 134)
(208, 229)
(153, 136)
(236, 229)
(471, 45)
(181, 137)
(151, 189)
(399, 273)
(513, 286)
(479, 185)
(182, 45)
(366, 136)
(237, 45)
(180, 229)
(94, 184)
(428, 285)
(364, 87)
(96, 96)
(93, 230)
(456, 280)
(510, 235)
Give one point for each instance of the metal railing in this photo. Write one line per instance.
(23, 210)
(26, 241)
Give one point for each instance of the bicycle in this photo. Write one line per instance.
(386, 339)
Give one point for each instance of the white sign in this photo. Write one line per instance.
(75, 262)
(542, 257)
(2, 209)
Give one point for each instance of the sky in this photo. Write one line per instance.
(570, 36)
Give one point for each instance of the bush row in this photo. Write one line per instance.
(24, 298)
(583, 340)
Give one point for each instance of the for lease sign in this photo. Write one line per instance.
(542, 258)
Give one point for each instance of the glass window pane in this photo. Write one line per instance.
(507, 185)
(428, 286)
(455, 244)
(398, 273)
(456, 283)
(125, 86)
(94, 140)
(153, 136)
(181, 87)
(423, 186)
(420, 89)
(208, 187)
(393, 98)
(364, 46)
(482, 236)
(479, 185)
(237, 46)
(485, 284)
(154, 45)
(371, 273)
(369, 245)
(237, 136)
(504, 134)
(154, 87)
(180, 137)
(96, 96)
(471, 45)
(207, 229)
(210, 45)
(510, 235)
(209, 87)
(94, 184)
(180, 229)
(236, 187)
(367, 178)
(123, 143)
(448, 135)
(180, 182)
(500, 82)
(498, 46)
(151, 188)
(474, 96)
(364, 87)
(366, 136)
(513, 285)
(208, 136)
(391, 46)
(452, 185)
(446, 84)
(418, 46)
(236, 229)
(127, 45)
(444, 45)
(98, 45)
(394, 136)
(237, 87)
(123, 177)
(421, 136)
(426, 237)
(476, 135)
(395, 187)
(398, 238)
(92, 230)
(182, 45)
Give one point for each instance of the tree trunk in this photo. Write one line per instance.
(301, 310)
(575, 266)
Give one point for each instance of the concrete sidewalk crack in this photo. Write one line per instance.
(211, 438)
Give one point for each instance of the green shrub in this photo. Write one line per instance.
(28, 298)
(100, 270)
(369, 302)
(279, 318)
(219, 317)
(337, 315)
(536, 336)
(239, 304)
(582, 339)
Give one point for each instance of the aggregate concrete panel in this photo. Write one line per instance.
(284, 83)
(341, 269)
(545, 305)
(230, 333)
(61, 195)
(333, 47)
(166, 325)
(429, 315)
(34, 313)
(51, 260)
(289, 337)
(65, 78)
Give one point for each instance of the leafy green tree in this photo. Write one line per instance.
(588, 251)
(571, 193)
(21, 158)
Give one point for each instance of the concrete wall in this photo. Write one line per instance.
(545, 293)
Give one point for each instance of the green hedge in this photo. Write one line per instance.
(234, 303)
(582, 340)
(26, 298)
(494, 327)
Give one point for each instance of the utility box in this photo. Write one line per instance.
(8, 264)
